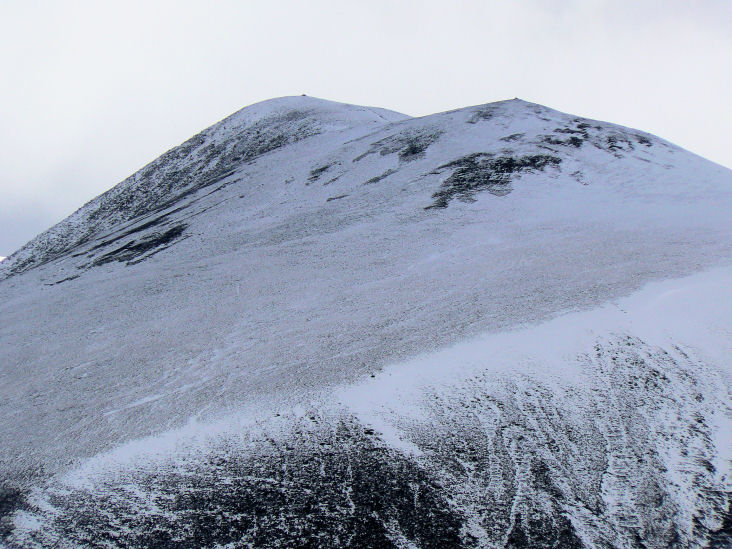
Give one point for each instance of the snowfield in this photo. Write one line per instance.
(322, 325)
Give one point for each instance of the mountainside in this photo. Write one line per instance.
(321, 325)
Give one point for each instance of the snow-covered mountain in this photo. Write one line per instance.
(322, 325)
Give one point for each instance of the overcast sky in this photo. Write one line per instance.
(92, 91)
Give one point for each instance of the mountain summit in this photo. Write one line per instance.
(322, 325)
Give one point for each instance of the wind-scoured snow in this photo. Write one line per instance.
(316, 324)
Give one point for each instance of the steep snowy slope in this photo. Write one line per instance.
(200, 162)
(221, 349)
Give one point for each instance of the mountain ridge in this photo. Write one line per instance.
(279, 108)
(282, 110)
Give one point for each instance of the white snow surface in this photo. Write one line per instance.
(307, 271)
(541, 364)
